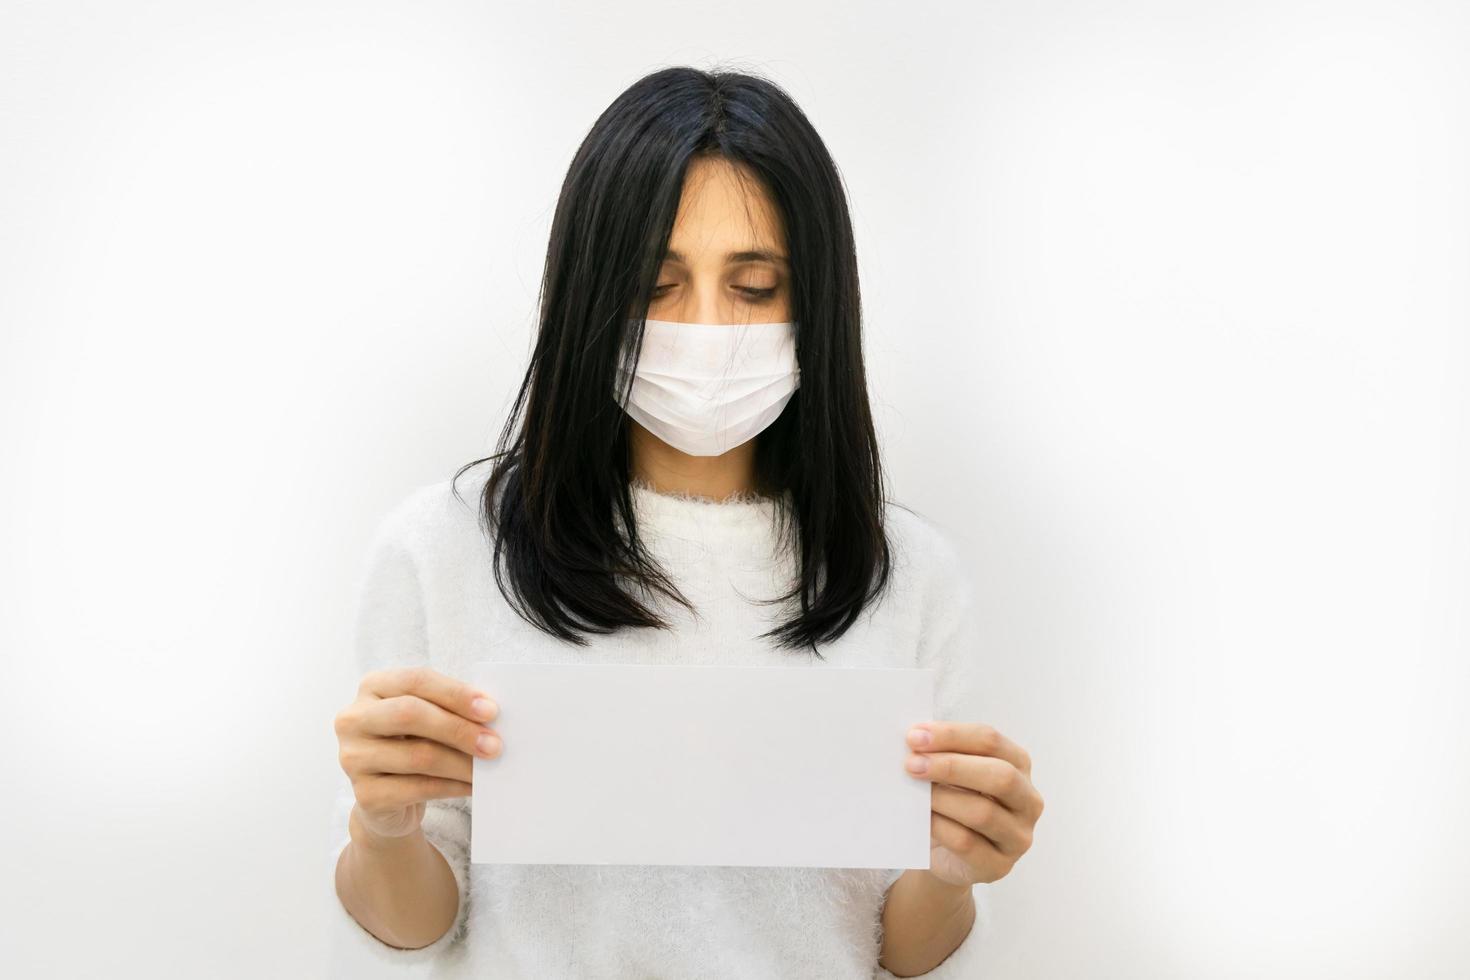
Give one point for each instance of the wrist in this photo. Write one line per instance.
(936, 891)
(924, 920)
(367, 840)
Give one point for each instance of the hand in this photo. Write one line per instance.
(409, 738)
(984, 807)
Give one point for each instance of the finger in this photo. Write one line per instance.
(1006, 831)
(974, 849)
(970, 738)
(408, 715)
(390, 791)
(405, 756)
(425, 682)
(996, 778)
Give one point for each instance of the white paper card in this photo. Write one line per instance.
(702, 765)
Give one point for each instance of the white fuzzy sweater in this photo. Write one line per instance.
(428, 597)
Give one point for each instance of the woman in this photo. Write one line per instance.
(690, 474)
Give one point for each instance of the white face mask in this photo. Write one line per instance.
(705, 388)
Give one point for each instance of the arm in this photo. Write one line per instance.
(392, 896)
(400, 889)
(924, 921)
(403, 900)
(931, 927)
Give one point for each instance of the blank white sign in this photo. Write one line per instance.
(702, 765)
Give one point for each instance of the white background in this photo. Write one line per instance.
(1166, 310)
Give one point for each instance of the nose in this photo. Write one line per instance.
(703, 303)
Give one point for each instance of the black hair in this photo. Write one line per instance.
(558, 501)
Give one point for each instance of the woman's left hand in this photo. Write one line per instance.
(984, 808)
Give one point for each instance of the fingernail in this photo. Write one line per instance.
(487, 744)
(483, 707)
(918, 764)
(919, 737)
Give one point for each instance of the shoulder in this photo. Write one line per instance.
(939, 591)
(433, 518)
(924, 549)
(930, 573)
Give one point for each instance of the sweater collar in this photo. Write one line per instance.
(689, 526)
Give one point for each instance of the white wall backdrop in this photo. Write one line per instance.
(1168, 313)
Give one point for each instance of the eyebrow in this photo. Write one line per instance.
(752, 255)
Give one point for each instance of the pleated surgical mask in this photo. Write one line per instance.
(705, 388)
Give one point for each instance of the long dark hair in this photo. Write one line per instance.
(558, 500)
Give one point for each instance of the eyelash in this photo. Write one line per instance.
(749, 291)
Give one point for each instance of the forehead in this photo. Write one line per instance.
(724, 209)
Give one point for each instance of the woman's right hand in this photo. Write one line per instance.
(410, 737)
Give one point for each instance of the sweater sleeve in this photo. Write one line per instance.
(949, 636)
(390, 631)
(949, 642)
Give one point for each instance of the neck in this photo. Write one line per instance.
(661, 467)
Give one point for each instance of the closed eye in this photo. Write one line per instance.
(751, 291)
